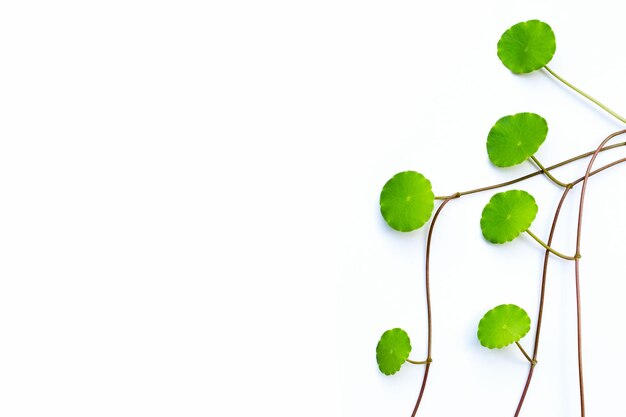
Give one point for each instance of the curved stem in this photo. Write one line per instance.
(587, 96)
(581, 384)
(547, 173)
(544, 276)
(524, 352)
(559, 254)
(430, 322)
(603, 168)
(419, 362)
(577, 268)
(544, 279)
(528, 176)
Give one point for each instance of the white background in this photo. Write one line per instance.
(189, 219)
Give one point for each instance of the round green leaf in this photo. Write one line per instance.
(503, 325)
(527, 46)
(513, 139)
(407, 201)
(507, 215)
(392, 350)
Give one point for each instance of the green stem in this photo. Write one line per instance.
(420, 362)
(528, 176)
(547, 173)
(587, 96)
(559, 254)
(525, 354)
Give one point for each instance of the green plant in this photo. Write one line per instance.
(407, 202)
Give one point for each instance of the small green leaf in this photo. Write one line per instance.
(392, 350)
(407, 201)
(513, 139)
(527, 46)
(503, 325)
(507, 215)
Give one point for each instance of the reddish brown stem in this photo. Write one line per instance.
(544, 275)
(528, 176)
(584, 180)
(577, 267)
(429, 315)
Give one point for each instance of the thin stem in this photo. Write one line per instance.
(524, 352)
(559, 254)
(581, 383)
(544, 278)
(603, 168)
(547, 173)
(430, 321)
(577, 269)
(587, 96)
(419, 362)
(528, 176)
